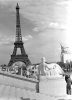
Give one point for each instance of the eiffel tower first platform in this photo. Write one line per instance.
(23, 57)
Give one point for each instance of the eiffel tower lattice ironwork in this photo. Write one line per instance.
(23, 57)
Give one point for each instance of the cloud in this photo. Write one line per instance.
(63, 2)
(5, 40)
(26, 38)
(41, 12)
(54, 25)
(36, 29)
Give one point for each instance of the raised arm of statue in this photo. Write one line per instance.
(46, 67)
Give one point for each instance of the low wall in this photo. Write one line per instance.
(53, 86)
(17, 81)
(49, 86)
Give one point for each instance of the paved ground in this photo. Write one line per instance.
(13, 93)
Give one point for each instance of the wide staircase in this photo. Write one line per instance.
(16, 87)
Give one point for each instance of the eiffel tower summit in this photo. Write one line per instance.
(23, 57)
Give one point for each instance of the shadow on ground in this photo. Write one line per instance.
(26, 98)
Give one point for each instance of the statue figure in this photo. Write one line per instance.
(42, 67)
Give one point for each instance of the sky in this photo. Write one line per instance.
(44, 25)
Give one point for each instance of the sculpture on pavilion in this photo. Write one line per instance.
(49, 70)
(63, 52)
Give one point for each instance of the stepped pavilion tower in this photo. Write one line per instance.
(23, 57)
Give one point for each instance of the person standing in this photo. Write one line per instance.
(68, 86)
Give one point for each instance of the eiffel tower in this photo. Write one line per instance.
(23, 57)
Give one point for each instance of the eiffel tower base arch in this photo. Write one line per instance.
(16, 58)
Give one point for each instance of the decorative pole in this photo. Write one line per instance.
(21, 71)
(37, 84)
